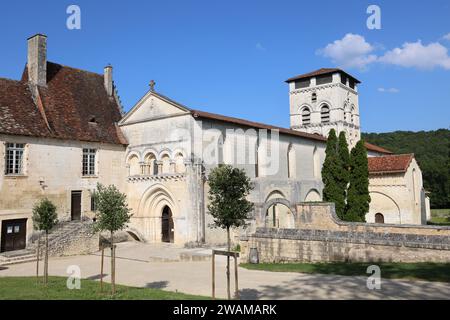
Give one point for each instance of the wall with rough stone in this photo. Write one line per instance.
(58, 163)
(320, 237)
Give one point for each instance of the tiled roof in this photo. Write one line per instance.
(375, 148)
(319, 72)
(75, 105)
(390, 164)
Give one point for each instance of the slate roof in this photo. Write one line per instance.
(73, 106)
(319, 72)
(390, 164)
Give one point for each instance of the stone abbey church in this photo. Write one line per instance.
(63, 130)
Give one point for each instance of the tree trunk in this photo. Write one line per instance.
(46, 259)
(37, 256)
(101, 269)
(228, 263)
(113, 286)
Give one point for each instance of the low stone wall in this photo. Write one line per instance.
(321, 237)
(82, 240)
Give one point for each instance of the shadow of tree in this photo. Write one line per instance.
(97, 276)
(157, 285)
(3, 268)
(307, 287)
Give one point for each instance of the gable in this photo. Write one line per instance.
(153, 106)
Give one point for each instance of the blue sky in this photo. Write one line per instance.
(232, 57)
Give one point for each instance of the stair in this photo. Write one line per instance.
(62, 234)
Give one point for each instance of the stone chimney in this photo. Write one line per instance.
(108, 80)
(37, 60)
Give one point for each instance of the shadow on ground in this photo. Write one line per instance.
(353, 288)
(157, 285)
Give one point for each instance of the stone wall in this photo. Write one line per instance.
(320, 237)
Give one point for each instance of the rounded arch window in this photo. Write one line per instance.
(306, 116)
(379, 218)
(325, 114)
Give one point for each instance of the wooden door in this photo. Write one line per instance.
(167, 226)
(14, 235)
(76, 205)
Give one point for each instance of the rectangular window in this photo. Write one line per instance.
(302, 83)
(324, 79)
(14, 158)
(93, 204)
(351, 83)
(89, 156)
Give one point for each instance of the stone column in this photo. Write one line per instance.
(159, 166)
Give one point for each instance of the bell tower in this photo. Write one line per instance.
(325, 99)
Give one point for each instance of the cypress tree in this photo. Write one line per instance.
(344, 172)
(331, 171)
(358, 198)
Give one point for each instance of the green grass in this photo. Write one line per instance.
(415, 271)
(27, 288)
(440, 217)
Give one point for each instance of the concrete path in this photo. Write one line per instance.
(166, 267)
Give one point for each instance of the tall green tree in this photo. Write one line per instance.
(45, 219)
(332, 175)
(228, 204)
(112, 215)
(358, 198)
(344, 159)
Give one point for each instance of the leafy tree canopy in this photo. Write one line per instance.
(44, 215)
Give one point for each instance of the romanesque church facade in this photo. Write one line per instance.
(63, 130)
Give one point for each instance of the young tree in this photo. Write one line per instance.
(228, 204)
(332, 175)
(44, 219)
(358, 198)
(112, 215)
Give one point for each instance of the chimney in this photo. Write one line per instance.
(37, 60)
(108, 80)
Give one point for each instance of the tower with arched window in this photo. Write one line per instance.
(325, 99)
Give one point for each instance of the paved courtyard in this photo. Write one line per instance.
(189, 271)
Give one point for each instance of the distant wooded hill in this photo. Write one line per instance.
(432, 151)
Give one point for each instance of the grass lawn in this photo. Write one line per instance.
(440, 217)
(417, 271)
(26, 288)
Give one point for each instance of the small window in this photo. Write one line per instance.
(325, 114)
(379, 218)
(343, 79)
(93, 203)
(324, 79)
(314, 97)
(14, 158)
(89, 156)
(351, 83)
(306, 116)
(302, 84)
(92, 120)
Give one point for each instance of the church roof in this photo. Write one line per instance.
(319, 72)
(251, 124)
(74, 106)
(398, 163)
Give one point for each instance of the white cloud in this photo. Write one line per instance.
(388, 90)
(417, 55)
(352, 51)
(260, 47)
(446, 37)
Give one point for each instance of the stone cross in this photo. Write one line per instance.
(152, 85)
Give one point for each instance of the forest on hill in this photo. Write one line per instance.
(432, 152)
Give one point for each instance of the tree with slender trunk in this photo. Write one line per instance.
(44, 219)
(228, 204)
(112, 215)
(358, 199)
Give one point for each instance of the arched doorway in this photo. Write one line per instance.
(379, 218)
(167, 226)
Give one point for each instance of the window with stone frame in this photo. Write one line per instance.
(89, 159)
(14, 158)
(306, 116)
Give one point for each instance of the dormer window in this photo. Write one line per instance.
(92, 120)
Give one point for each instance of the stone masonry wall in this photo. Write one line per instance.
(320, 237)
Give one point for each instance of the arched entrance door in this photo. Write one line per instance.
(167, 225)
